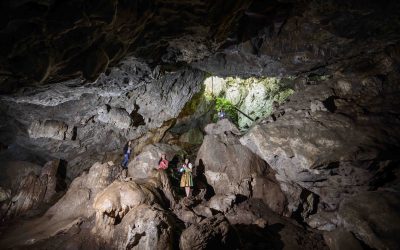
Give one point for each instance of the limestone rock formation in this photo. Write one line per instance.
(30, 195)
(269, 191)
(146, 227)
(373, 217)
(222, 203)
(340, 239)
(142, 165)
(232, 169)
(80, 78)
(192, 137)
(34, 190)
(114, 202)
(228, 165)
(72, 209)
(254, 97)
(130, 213)
(325, 155)
(13, 172)
(79, 123)
(259, 228)
(214, 232)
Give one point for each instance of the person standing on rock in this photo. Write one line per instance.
(163, 162)
(127, 155)
(187, 177)
(221, 114)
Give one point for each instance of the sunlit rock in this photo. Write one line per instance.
(114, 202)
(145, 227)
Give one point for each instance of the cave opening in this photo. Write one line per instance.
(246, 100)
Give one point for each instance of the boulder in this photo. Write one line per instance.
(203, 210)
(141, 165)
(187, 215)
(222, 203)
(341, 239)
(220, 127)
(372, 217)
(258, 227)
(231, 168)
(324, 221)
(145, 227)
(162, 182)
(269, 191)
(118, 199)
(73, 208)
(130, 213)
(211, 233)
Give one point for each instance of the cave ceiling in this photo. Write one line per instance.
(44, 42)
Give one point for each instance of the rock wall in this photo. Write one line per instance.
(337, 138)
(70, 120)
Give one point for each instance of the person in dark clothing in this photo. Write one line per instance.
(127, 155)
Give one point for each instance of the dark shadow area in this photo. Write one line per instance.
(61, 176)
(329, 104)
(200, 182)
(240, 198)
(74, 133)
(137, 119)
(305, 208)
(174, 175)
(386, 174)
(258, 238)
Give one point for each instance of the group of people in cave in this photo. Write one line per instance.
(185, 169)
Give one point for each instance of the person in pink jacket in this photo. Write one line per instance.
(163, 162)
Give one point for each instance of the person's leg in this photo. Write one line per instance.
(125, 161)
(187, 189)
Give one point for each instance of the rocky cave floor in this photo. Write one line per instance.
(112, 214)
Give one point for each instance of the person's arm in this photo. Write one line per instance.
(190, 166)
